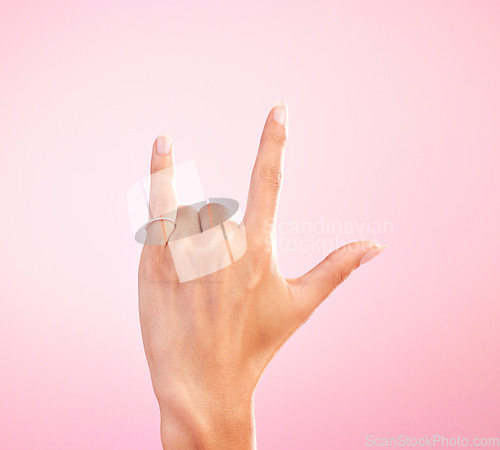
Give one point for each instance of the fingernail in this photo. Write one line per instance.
(280, 113)
(372, 252)
(163, 144)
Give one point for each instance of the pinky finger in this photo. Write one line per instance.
(162, 197)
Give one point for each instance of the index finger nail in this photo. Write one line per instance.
(280, 113)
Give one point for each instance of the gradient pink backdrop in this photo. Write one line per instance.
(394, 113)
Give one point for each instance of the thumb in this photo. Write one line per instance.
(317, 284)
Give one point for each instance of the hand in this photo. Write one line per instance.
(208, 340)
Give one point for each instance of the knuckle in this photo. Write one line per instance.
(342, 275)
(261, 256)
(277, 135)
(273, 176)
(186, 210)
(153, 266)
(250, 277)
(204, 210)
(214, 213)
(159, 207)
(263, 244)
(252, 280)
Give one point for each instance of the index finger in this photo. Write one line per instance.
(265, 184)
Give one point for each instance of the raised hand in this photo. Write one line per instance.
(208, 338)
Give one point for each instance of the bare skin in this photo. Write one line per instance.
(208, 340)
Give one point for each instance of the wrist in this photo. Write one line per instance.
(207, 422)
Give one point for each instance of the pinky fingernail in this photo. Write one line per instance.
(163, 144)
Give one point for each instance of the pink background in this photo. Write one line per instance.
(394, 113)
